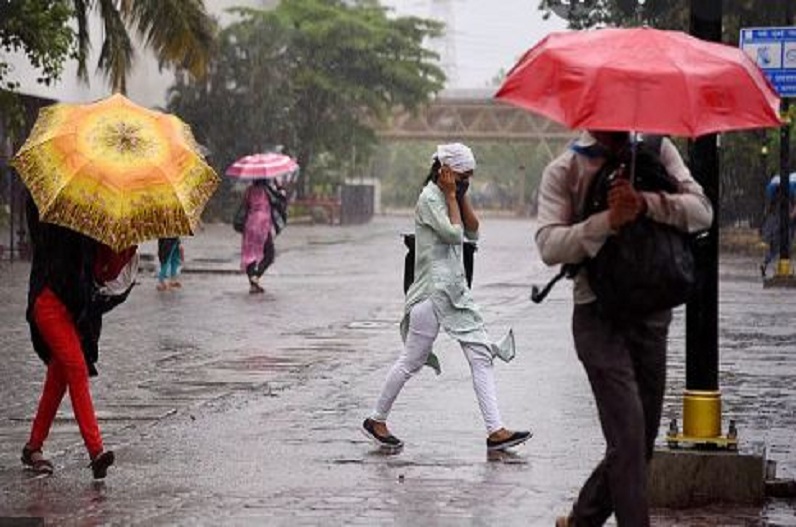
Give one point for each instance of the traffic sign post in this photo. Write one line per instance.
(774, 50)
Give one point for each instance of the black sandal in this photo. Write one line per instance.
(35, 460)
(99, 465)
(388, 441)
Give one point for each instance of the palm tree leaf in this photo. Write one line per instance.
(116, 55)
(81, 8)
(180, 31)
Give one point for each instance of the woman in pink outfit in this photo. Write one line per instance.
(257, 248)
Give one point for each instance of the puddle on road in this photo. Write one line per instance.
(744, 339)
(370, 324)
(260, 363)
(213, 260)
(329, 241)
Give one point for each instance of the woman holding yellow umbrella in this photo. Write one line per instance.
(102, 177)
(65, 322)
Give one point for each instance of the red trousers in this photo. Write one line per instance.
(66, 369)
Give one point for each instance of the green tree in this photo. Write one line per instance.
(312, 75)
(669, 14)
(180, 32)
(38, 29)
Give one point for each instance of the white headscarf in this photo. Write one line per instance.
(457, 156)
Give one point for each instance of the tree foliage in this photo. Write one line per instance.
(312, 75)
(37, 28)
(180, 32)
(669, 14)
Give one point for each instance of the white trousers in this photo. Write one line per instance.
(423, 330)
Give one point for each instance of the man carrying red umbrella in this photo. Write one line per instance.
(642, 79)
(625, 360)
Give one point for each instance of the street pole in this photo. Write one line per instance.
(784, 267)
(702, 398)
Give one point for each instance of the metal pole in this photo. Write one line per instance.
(702, 399)
(784, 268)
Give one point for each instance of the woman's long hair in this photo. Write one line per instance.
(433, 173)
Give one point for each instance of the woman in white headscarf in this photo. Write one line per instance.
(439, 297)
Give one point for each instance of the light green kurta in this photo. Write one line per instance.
(439, 275)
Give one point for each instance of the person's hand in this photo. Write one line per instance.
(624, 204)
(447, 181)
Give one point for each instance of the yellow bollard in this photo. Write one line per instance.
(783, 267)
(702, 414)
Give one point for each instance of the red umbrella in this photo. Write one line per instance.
(262, 166)
(642, 79)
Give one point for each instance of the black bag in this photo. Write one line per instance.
(468, 253)
(239, 220)
(278, 202)
(647, 266)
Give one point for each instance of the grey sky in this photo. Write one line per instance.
(487, 34)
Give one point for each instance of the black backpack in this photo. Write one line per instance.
(278, 202)
(647, 266)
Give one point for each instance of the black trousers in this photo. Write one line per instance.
(269, 253)
(626, 366)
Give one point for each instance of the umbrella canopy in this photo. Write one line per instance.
(642, 79)
(115, 171)
(262, 166)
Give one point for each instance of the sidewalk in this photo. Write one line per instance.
(232, 409)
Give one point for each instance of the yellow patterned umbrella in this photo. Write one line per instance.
(115, 171)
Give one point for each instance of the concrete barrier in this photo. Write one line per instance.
(694, 478)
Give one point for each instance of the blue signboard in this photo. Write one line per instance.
(774, 50)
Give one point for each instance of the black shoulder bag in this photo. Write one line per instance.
(278, 202)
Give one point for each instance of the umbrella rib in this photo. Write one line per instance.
(683, 78)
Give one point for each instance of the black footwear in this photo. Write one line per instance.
(389, 441)
(99, 465)
(565, 521)
(514, 439)
(255, 287)
(35, 461)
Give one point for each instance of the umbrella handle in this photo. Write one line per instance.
(633, 151)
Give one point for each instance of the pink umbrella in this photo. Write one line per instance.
(262, 166)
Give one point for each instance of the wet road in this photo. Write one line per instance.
(226, 408)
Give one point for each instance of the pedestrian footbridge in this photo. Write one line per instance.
(473, 116)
